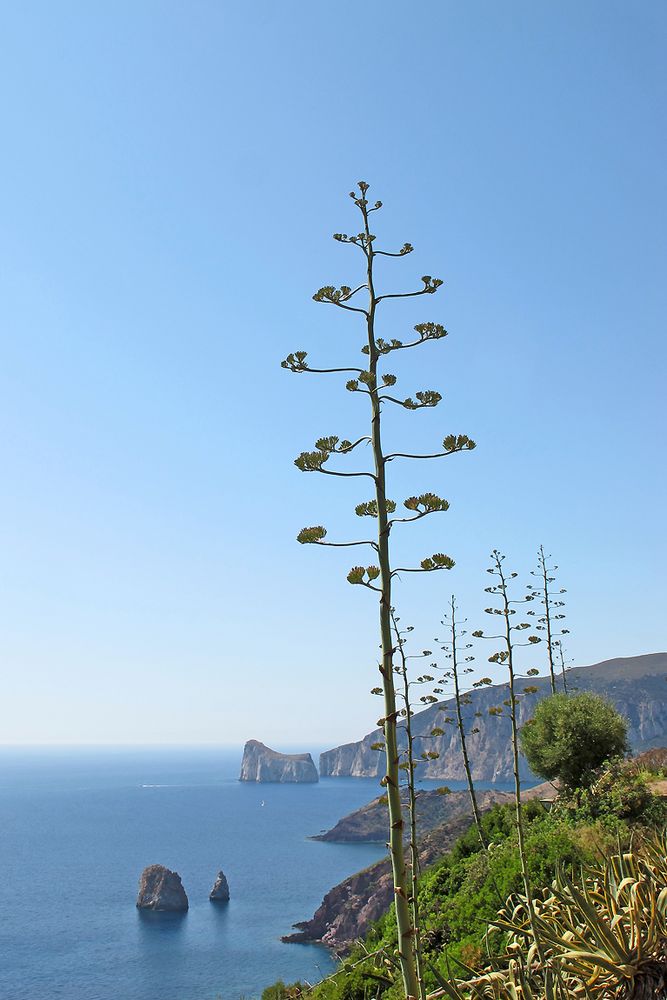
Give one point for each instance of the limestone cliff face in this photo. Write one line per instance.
(636, 685)
(263, 764)
(161, 890)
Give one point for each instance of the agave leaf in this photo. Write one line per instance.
(600, 960)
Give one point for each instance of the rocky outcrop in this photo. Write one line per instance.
(263, 764)
(161, 890)
(434, 807)
(348, 910)
(635, 685)
(220, 891)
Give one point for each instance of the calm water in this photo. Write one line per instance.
(78, 826)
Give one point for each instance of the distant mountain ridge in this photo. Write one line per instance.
(635, 685)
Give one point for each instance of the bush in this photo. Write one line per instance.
(620, 793)
(279, 991)
(571, 736)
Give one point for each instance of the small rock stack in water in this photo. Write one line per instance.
(220, 891)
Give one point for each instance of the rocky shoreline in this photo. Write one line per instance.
(349, 908)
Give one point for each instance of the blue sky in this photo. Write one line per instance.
(171, 175)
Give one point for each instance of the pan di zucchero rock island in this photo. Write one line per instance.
(260, 763)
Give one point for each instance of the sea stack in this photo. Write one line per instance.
(260, 763)
(161, 890)
(220, 891)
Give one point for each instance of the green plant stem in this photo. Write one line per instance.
(515, 763)
(412, 809)
(562, 666)
(464, 745)
(547, 617)
(396, 823)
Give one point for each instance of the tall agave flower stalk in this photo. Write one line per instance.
(551, 616)
(409, 766)
(378, 576)
(560, 651)
(451, 647)
(506, 656)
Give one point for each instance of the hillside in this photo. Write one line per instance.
(369, 823)
(349, 909)
(635, 685)
(464, 885)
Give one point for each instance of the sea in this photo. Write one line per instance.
(77, 827)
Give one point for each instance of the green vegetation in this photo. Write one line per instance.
(377, 386)
(526, 860)
(570, 736)
(508, 640)
(603, 936)
(569, 850)
(409, 766)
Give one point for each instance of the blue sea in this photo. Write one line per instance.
(77, 826)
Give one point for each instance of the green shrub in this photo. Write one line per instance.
(279, 991)
(620, 793)
(462, 892)
(570, 737)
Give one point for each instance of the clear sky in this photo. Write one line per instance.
(171, 175)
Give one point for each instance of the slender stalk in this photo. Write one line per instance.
(412, 811)
(547, 616)
(378, 578)
(509, 660)
(462, 733)
(396, 823)
(562, 666)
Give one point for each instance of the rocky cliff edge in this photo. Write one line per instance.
(260, 763)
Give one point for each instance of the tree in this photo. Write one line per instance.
(569, 737)
(378, 577)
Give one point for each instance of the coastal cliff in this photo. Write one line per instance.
(348, 910)
(434, 807)
(635, 685)
(260, 763)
